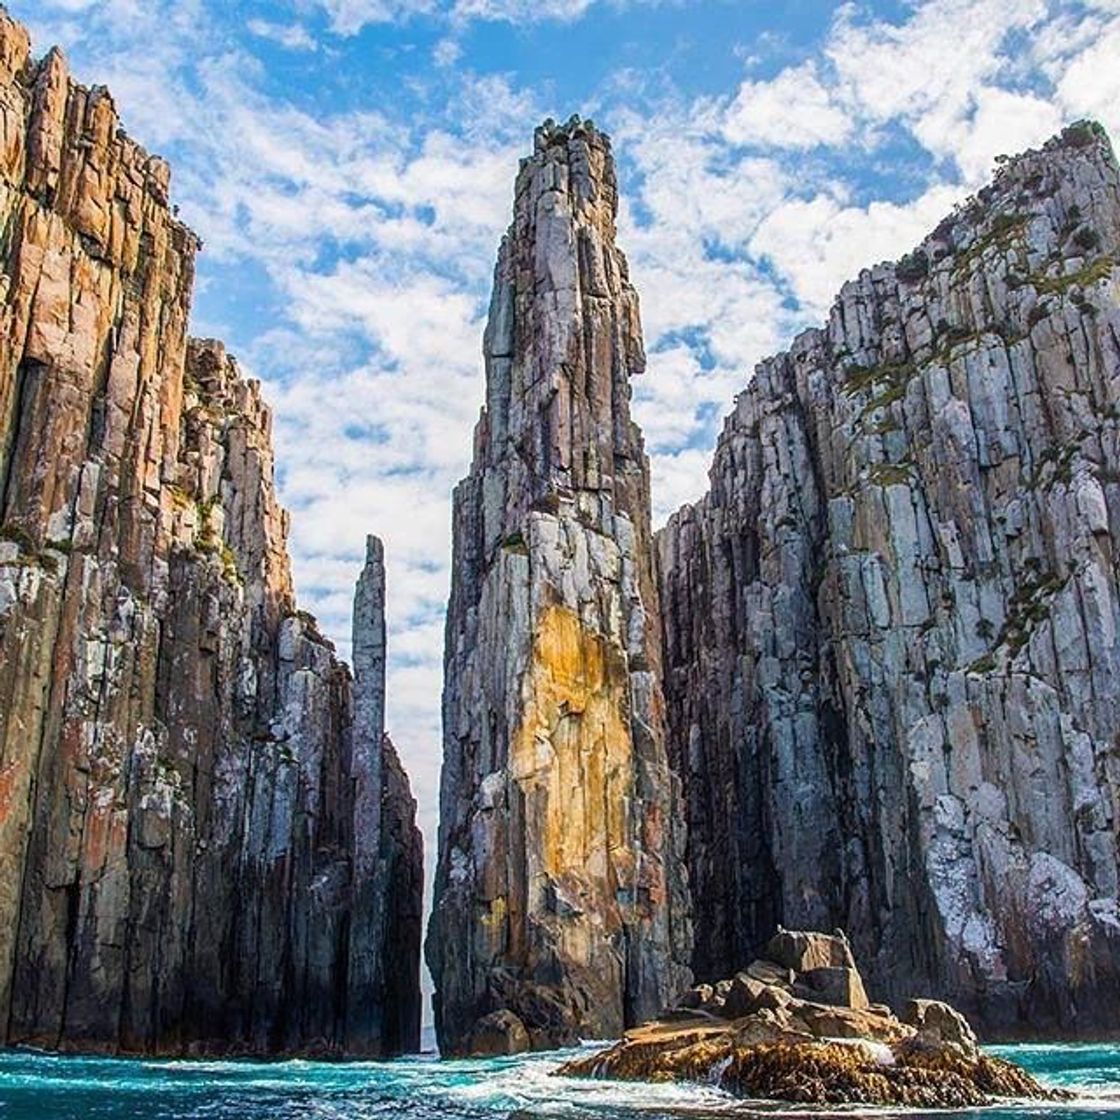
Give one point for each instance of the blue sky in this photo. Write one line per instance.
(349, 165)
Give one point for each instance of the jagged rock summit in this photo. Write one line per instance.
(560, 902)
(796, 1026)
(892, 627)
(206, 844)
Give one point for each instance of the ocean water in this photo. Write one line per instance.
(37, 1086)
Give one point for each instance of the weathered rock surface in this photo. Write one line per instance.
(789, 981)
(204, 845)
(892, 627)
(810, 1071)
(498, 1034)
(939, 1024)
(780, 1047)
(559, 895)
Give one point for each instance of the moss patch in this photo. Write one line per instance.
(887, 381)
(890, 474)
(1092, 273)
(1005, 230)
(1029, 606)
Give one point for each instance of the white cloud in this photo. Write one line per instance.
(1003, 122)
(793, 110)
(520, 11)
(683, 478)
(820, 242)
(446, 53)
(926, 69)
(348, 17)
(293, 36)
(1089, 86)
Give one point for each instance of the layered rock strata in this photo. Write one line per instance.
(773, 1032)
(560, 900)
(204, 845)
(892, 627)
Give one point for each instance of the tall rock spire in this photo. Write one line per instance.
(560, 897)
(383, 977)
(363, 1009)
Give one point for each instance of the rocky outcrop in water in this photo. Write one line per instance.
(560, 901)
(204, 845)
(892, 627)
(787, 1029)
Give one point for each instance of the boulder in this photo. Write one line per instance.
(939, 1024)
(721, 990)
(771, 1026)
(770, 973)
(498, 1034)
(697, 997)
(841, 987)
(804, 951)
(826, 1022)
(743, 995)
(774, 998)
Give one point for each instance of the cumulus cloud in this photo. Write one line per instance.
(793, 110)
(819, 242)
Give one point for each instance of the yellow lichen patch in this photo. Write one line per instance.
(571, 756)
(494, 915)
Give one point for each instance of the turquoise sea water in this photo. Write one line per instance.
(45, 1087)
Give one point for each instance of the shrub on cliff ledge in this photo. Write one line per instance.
(913, 267)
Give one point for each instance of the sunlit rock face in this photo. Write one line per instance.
(560, 894)
(204, 845)
(891, 627)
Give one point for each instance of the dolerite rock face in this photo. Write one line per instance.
(194, 797)
(892, 628)
(560, 894)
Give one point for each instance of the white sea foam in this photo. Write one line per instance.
(37, 1085)
(532, 1084)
